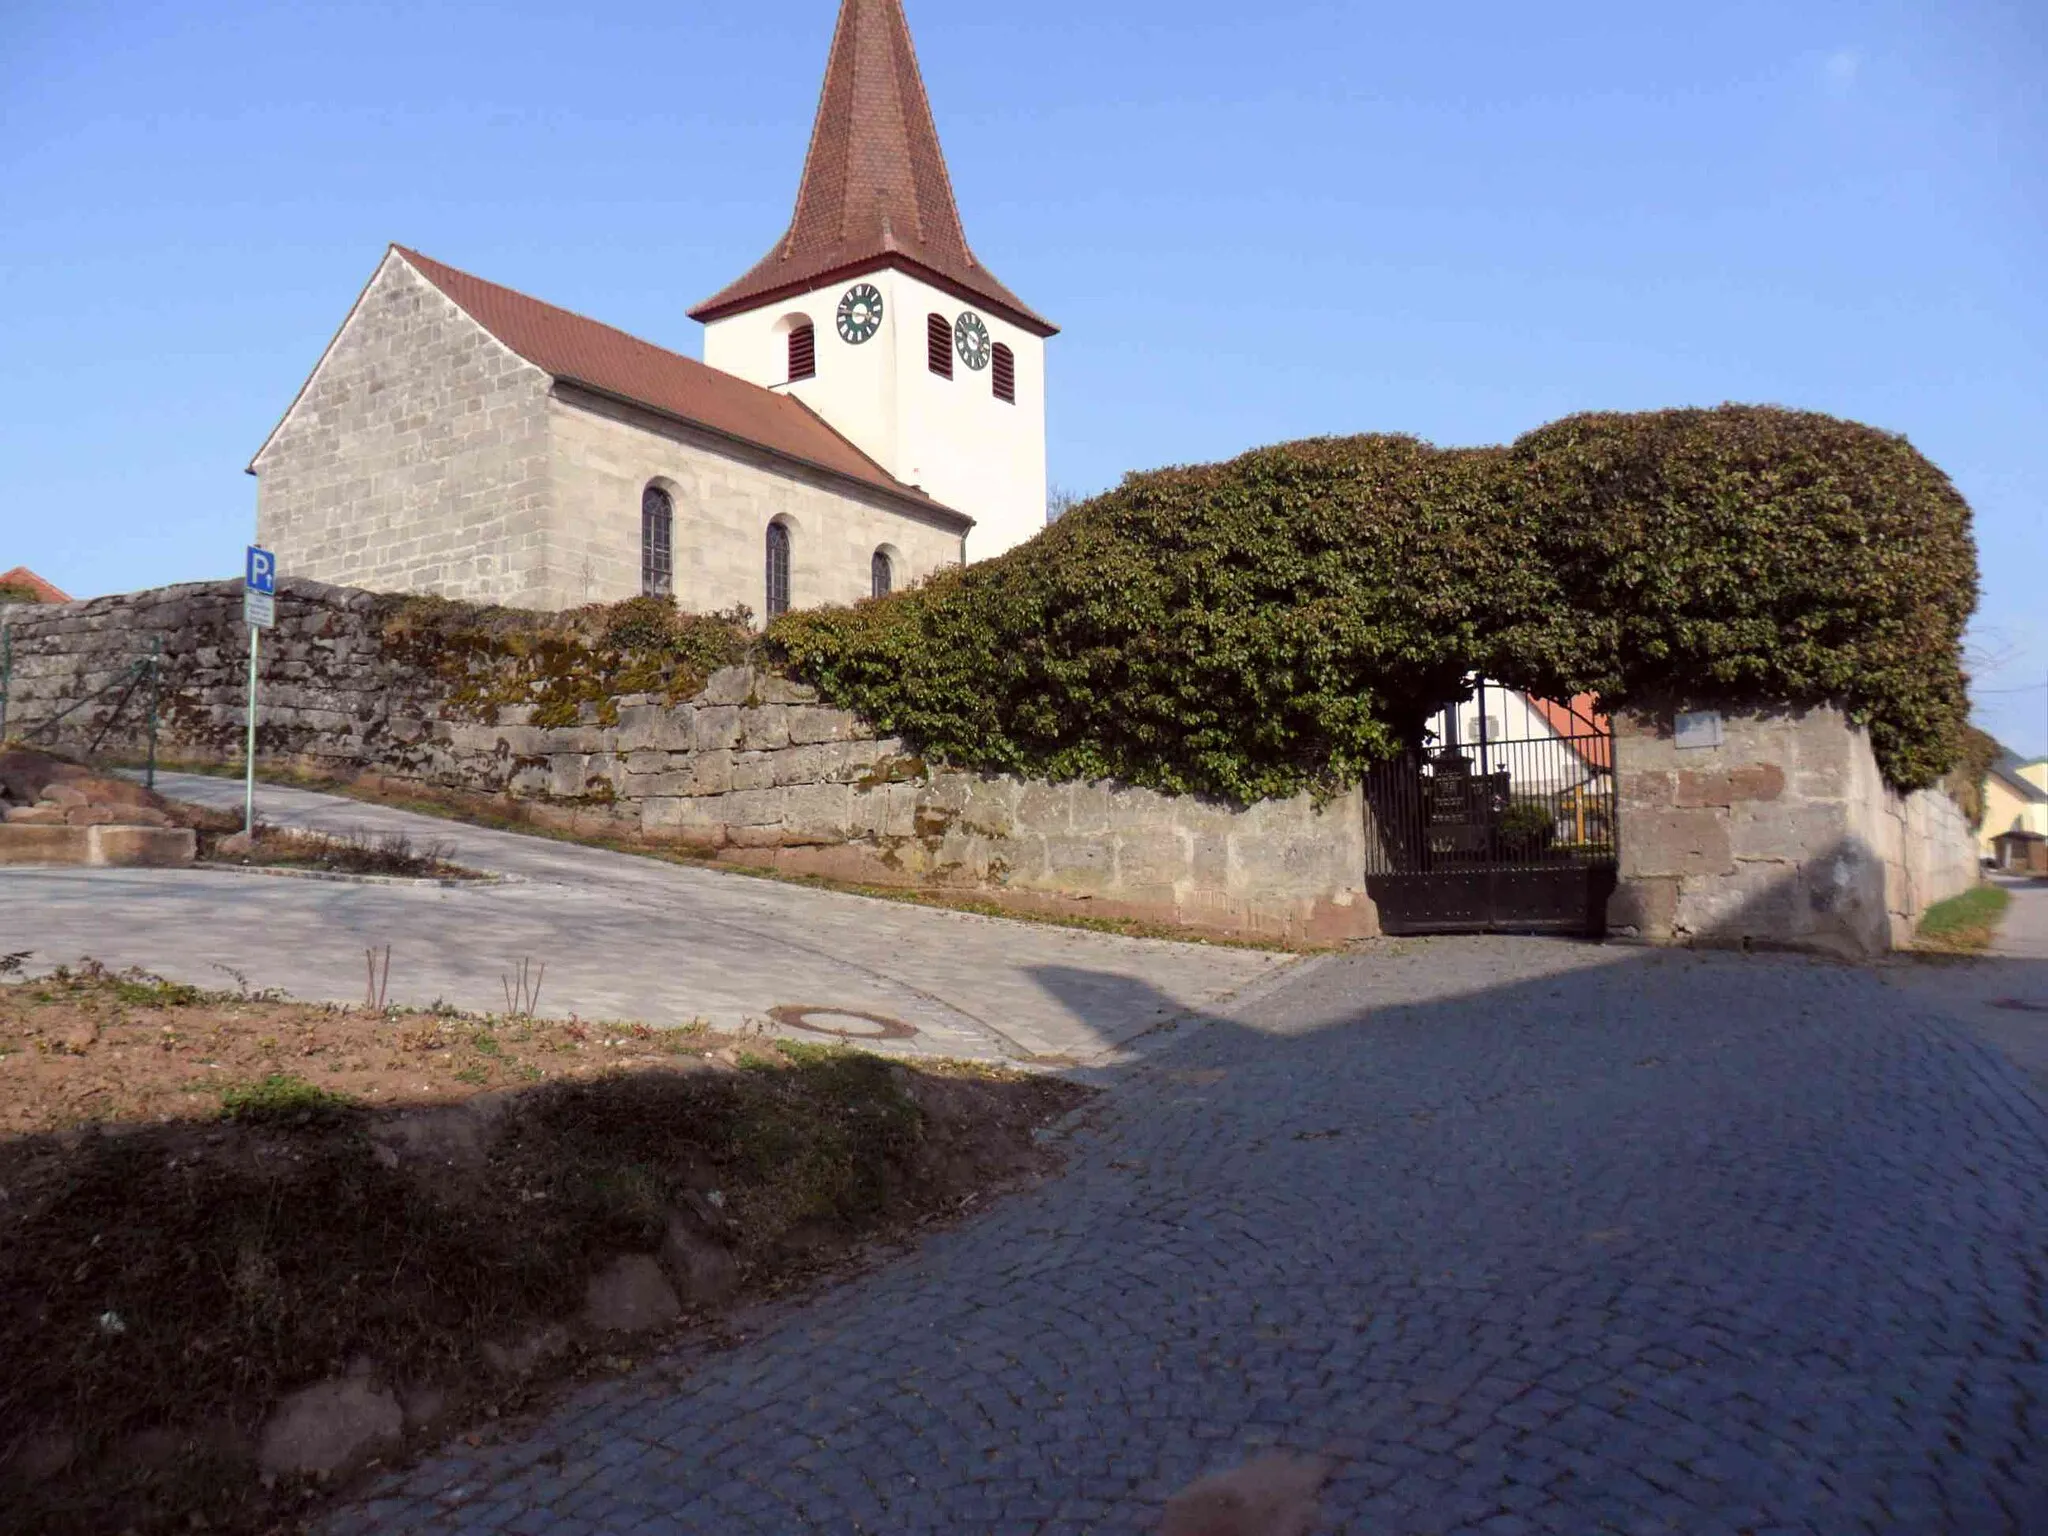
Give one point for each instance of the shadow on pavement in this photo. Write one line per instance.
(1528, 1236)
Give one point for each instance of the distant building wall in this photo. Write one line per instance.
(605, 455)
(1784, 835)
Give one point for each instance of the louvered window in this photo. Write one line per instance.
(803, 353)
(657, 542)
(1004, 371)
(883, 575)
(938, 345)
(778, 569)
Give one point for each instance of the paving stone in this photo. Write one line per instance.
(1802, 1241)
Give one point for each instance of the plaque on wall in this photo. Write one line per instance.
(1702, 728)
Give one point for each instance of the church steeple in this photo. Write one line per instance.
(875, 190)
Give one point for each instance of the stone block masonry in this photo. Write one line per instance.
(754, 769)
(1783, 835)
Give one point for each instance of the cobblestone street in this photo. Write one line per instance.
(1532, 1237)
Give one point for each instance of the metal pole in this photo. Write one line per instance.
(156, 674)
(249, 789)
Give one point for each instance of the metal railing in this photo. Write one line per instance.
(146, 671)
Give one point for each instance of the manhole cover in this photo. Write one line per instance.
(846, 1023)
(2021, 1004)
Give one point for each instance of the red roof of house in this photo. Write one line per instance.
(22, 576)
(581, 351)
(875, 190)
(1581, 723)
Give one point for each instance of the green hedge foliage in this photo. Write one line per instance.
(1287, 619)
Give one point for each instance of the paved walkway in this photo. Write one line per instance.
(2024, 933)
(622, 938)
(2002, 995)
(1535, 1237)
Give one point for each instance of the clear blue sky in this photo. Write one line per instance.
(1253, 221)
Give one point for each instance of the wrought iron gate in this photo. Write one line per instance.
(1512, 835)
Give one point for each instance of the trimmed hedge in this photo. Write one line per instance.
(1289, 618)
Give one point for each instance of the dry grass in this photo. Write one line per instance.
(356, 852)
(212, 1199)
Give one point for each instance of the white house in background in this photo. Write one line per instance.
(871, 407)
(1544, 747)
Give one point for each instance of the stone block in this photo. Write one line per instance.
(630, 1295)
(25, 843)
(1675, 842)
(1644, 789)
(756, 770)
(1728, 786)
(1150, 859)
(1091, 809)
(1644, 909)
(904, 802)
(1089, 863)
(567, 772)
(1208, 856)
(818, 813)
(729, 685)
(1785, 831)
(991, 807)
(820, 763)
(751, 807)
(330, 1427)
(686, 818)
(699, 773)
(764, 727)
(640, 728)
(773, 688)
(814, 723)
(716, 728)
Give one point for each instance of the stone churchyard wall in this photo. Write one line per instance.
(1785, 834)
(751, 769)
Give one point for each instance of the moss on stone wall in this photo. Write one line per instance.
(491, 659)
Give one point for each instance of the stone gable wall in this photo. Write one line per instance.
(753, 769)
(418, 458)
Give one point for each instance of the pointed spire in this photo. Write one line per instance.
(875, 183)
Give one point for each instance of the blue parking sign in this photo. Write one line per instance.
(262, 572)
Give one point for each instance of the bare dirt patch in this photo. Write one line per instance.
(247, 1238)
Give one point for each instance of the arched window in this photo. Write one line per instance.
(938, 345)
(803, 352)
(883, 574)
(657, 543)
(778, 569)
(1003, 370)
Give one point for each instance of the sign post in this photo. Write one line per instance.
(259, 611)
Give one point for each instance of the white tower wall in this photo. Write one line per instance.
(952, 438)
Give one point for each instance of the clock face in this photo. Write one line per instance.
(860, 313)
(970, 337)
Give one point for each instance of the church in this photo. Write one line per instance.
(870, 408)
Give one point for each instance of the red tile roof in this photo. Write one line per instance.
(580, 351)
(1589, 732)
(22, 576)
(875, 191)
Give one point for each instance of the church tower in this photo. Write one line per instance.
(873, 311)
